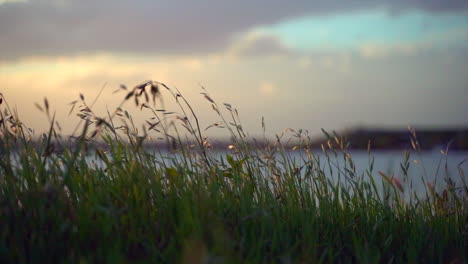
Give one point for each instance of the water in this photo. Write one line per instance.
(429, 166)
(426, 167)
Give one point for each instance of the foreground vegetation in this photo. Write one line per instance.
(101, 197)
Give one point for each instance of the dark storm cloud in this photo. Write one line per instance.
(60, 27)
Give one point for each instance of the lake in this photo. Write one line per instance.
(426, 166)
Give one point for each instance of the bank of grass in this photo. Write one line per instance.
(189, 205)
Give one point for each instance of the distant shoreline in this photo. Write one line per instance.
(357, 139)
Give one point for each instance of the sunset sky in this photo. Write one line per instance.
(307, 64)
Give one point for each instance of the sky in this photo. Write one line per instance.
(306, 64)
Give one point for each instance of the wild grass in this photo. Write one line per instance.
(249, 204)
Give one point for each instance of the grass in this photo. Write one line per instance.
(190, 205)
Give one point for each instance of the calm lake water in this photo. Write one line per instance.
(428, 166)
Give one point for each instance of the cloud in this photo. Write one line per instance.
(450, 41)
(255, 44)
(320, 90)
(61, 27)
